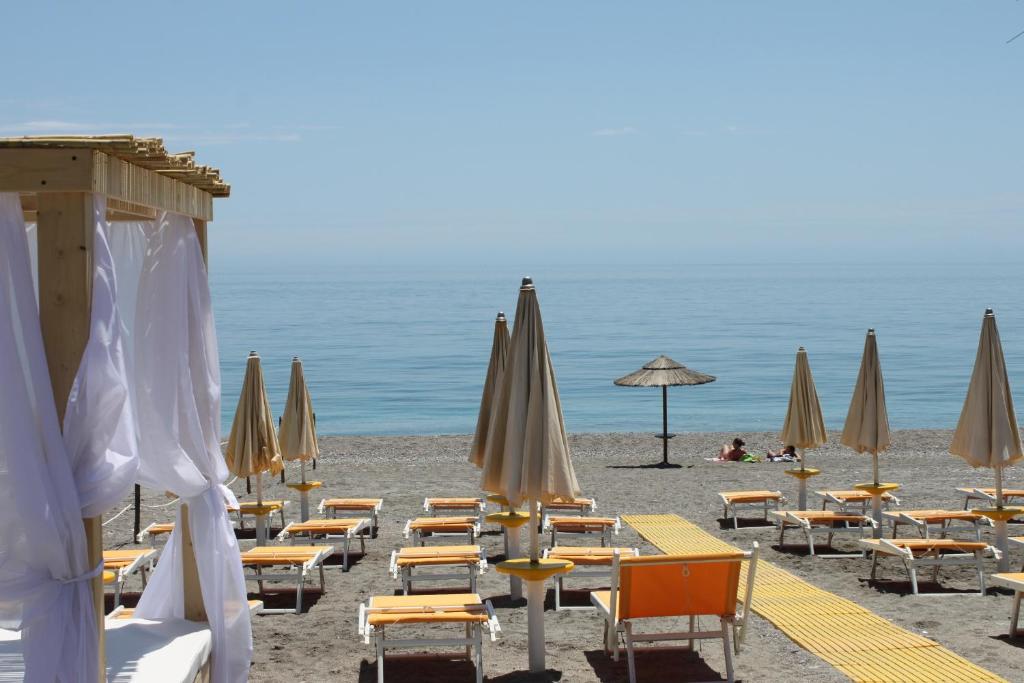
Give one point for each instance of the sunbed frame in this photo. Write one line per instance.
(154, 531)
(470, 558)
(590, 562)
(937, 553)
(813, 522)
(330, 507)
(1015, 582)
(329, 530)
(734, 501)
(946, 520)
(461, 506)
(579, 506)
(422, 528)
(844, 501)
(303, 559)
(987, 495)
(124, 563)
(579, 525)
(410, 608)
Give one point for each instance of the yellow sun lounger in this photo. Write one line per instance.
(934, 552)
(251, 509)
(303, 559)
(587, 561)
(154, 531)
(579, 506)
(330, 507)
(1014, 582)
(435, 558)
(946, 521)
(732, 501)
(813, 522)
(383, 612)
(422, 528)
(988, 495)
(329, 529)
(124, 563)
(845, 500)
(660, 586)
(462, 506)
(582, 526)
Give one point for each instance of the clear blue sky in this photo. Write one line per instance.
(540, 132)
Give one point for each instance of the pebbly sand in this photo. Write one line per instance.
(322, 644)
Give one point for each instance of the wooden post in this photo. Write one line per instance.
(65, 253)
(195, 610)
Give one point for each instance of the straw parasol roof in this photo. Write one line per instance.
(664, 372)
(527, 452)
(252, 446)
(495, 371)
(987, 433)
(297, 434)
(804, 426)
(867, 422)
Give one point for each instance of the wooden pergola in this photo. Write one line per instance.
(57, 179)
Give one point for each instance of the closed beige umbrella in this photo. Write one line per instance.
(867, 423)
(526, 456)
(987, 434)
(495, 371)
(297, 433)
(252, 447)
(804, 427)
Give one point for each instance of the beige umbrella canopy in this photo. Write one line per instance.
(987, 433)
(804, 426)
(526, 456)
(867, 422)
(664, 372)
(297, 434)
(252, 447)
(495, 371)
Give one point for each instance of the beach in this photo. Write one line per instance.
(614, 468)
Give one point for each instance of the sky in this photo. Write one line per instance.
(450, 133)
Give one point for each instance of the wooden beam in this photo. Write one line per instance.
(85, 170)
(201, 234)
(65, 248)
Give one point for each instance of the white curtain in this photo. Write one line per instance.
(44, 572)
(177, 401)
(99, 428)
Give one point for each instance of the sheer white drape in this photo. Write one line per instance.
(99, 428)
(44, 569)
(177, 402)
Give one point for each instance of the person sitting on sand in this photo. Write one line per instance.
(733, 453)
(787, 454)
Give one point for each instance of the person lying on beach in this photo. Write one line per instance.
(787, 454)
(733, 453)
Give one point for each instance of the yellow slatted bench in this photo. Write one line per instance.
(987, 495)
(330, 507)
(934, 552)
(587, 561)
(579, 506)
(813, 522)
(947, 521)
(329, 530)
(468, 557)
(303, 559)
(732, 501)
(1015, 582)
(154, 531)
(250, 508)
(383, 612)
(124, 563)
(845, 499)
(464, 506)
(421, 528)
(582, 526)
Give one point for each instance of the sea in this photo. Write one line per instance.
(404, 350)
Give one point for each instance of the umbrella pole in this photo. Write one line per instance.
(664, 425)
(874, 466)
(1002, 537)
(303, 494)
(138, 513)
(260, 518)
(535, 591)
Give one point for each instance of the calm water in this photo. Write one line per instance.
(405, 351)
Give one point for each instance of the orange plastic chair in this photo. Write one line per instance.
(693, 585)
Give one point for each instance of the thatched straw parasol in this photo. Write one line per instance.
(987, 433)
(495, 371)
(664, 372)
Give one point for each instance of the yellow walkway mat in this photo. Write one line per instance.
(859, 643)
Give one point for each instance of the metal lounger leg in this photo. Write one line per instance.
(298, 593)
(380, 656)
(981, 572)
(323, 586)
(913, 574)
(469, 642)
(1015, 615)
(630, 660)
(728, 651)
(472, 581)
(558, 593)
(344, 556)
(479, 638)
(874, 563)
